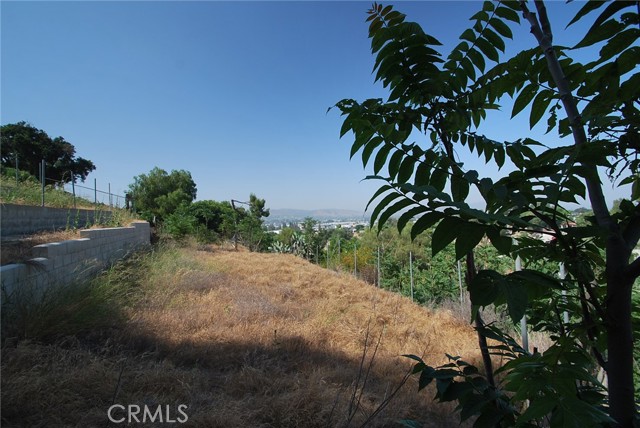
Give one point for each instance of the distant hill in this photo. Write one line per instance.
(319, 214)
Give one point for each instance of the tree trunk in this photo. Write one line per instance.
(482, 339)
(619, 337)
(619, 329)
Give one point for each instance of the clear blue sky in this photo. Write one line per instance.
(234, 92)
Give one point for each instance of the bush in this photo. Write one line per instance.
(10, 174)
(180, 224)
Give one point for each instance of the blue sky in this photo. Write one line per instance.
(234, 92)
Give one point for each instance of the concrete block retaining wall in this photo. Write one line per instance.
(73, 260)
(26, 219)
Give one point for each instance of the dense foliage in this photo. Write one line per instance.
(158, 194)
(167, 199)
(442, 101)
(25, 146)
(212, 221)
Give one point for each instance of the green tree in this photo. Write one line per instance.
(249, 224)
(315, 239)
(336, 239)
(257, 207)
(595, 106)
(158, 194)
(180, 223)
(214, 216)
(32, 145)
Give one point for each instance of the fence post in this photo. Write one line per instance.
(355, 259)
(95, 193)
(411, 272)
(563, 275)
(73, 189)
(523, 322)
(378, 266)
(110, 200)
(460, 284)
(42, 173)
(328, 252)
(17, 180)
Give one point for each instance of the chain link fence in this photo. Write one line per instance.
(80, 194)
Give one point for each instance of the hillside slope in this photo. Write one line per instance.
(244, 340)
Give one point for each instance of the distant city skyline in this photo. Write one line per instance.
(234, 92)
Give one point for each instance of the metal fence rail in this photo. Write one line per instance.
(89, 194)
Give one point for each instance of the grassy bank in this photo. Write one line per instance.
(243, 339)
(29, 192)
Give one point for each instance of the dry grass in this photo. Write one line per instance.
(19, 250)
(245, 340)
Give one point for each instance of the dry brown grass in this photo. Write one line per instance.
(245, 340)
(19, 250)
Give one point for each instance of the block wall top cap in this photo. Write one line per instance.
(69, 241)
(50, 244)
(12, 266)
(107, 229)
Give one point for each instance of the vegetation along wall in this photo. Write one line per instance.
(73, 260)
(25, 219)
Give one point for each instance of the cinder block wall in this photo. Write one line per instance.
(26, 219)
(73, 260)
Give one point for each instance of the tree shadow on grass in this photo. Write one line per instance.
(290, 382)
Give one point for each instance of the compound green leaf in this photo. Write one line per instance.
(425, 222)
(468, 237)
(524, 98)
(508, 14)
(406, 169)
(501, 27)
(381, 157)
(394, 163)
(384, 203)
(539, 107)
(488, 49)
(393, 209)
(379, 192)
(444, 234)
